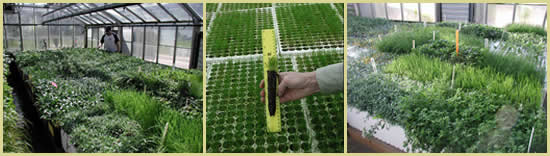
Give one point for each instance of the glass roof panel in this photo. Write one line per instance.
(114, 14)
(80, 20)
(157, 11)
(177, 11)
(126, 13)
(136, 9)
(94, 19)
(88, 20)
(110, 18)
(99, 4)
(197, 7)
(104, 20)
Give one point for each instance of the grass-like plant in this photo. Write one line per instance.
(525, 28)
(418, 67)
(69, 85)
(178, 133)
(312, 26)
(182, 134)
(509, 64)
(401, 42)
(136, 105)
(15, 136)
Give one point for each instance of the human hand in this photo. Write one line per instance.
(294, 86)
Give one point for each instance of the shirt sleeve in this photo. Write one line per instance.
(116, 38)
(102, 37)
(331, 78)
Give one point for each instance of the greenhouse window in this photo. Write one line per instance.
(158, 12)
(126, 13)
(530, 14)
(142, 13)
(166, 49)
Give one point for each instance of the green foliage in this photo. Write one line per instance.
(136, 105)
(401, 42)
(449, 34)
(312, 26)
(110, 134)
(70, 85)
(237, 33)
(235, 120)
(485, 31)
(526, 28)
(15, 138)
(421, 68)
(183, 135)
(440, 119)
(528, 45)
(448, 24)
(446, 50)
(377, 95)
(517, 66)
(69, 95)
(243, 6)
(175, 87)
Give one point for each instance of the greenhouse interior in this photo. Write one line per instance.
(307, 37)
(67, 89)
(453, 78)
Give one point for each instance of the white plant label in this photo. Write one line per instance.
(413, 44)
(486, 43)
(433, 35)
(373, 64)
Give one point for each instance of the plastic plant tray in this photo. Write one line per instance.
(299, 31)
(236, 119)
(243, 6)
(234, 29)
(237, 33)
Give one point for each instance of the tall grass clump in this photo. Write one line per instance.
(401, 42)
(425, 69)
(525, 28)
(178, 133)
(138, 106)
(510, 64)
(181, 133)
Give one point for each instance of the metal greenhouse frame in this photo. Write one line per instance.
(163, 33)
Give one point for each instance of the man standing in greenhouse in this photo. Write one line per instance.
(110, 40)
(295, 85)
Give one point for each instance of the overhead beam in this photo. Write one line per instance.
(149, 25)
(102, 8)
(57, 9)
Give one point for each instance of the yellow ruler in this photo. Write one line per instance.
(271, 81)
